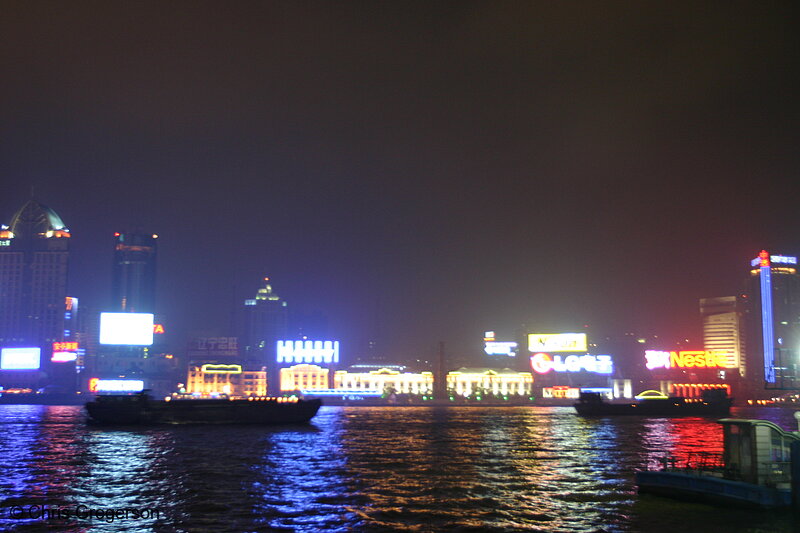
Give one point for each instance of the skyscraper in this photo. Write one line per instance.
(133, 284)
(774, 321)
(724, 331)
(34, 252)
(265, 323)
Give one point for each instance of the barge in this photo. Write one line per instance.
(141, 409)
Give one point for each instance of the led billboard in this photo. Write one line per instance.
(20, 358)
(557, 342)
(116, 385)
(127, 329)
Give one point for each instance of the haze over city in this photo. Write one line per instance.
(417, 172)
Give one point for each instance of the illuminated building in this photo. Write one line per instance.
(562, 392)
(505, 382)
(34, 251)
(723, 329)
(304, 377)
(133, 277)
(774, 323)
(265, 322)
(695, 390)
(211, 379)
(384, 380)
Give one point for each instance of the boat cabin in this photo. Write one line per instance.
(758, 451)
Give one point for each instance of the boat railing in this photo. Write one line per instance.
(701, 463)
(712, 464)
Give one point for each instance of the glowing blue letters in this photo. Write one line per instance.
(308, 351)
(500, 348)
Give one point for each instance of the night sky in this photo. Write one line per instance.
(416, 171)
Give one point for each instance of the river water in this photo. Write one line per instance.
(359, 469)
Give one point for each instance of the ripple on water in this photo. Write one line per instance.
(362, 469)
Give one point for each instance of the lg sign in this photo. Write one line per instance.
(542, 363)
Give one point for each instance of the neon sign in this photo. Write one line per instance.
(688, 359)
(557, 342)
(764, 259)
(221, 369)
(542, 363)
(65, 346)
(500, 348)
(158, 328)
(64, 352)
(308, 351)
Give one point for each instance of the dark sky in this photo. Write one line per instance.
(434, 168)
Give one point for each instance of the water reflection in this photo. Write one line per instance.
(363, 469)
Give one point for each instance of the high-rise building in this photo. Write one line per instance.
(774, 322)
(36, 315)
(133, 284)
(723, 330)
(34, 252)
(265, 322)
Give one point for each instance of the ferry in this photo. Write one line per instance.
(714, 403)
(755, 469)
(142, 409)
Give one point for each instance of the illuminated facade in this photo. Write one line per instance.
(211, 379)
(723, 330)
(774, 322)
(304, 377)
(34, 251)
(695, 390)
(385, 379)
(133, 277)
(505, 382)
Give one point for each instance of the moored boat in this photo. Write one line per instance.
(755, 469)
(142, 409)
(717, 405)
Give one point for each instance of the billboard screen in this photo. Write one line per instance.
(20, 358)
(128, 329)
(557, 342)
(116, 385)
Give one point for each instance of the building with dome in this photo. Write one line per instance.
(35, 310)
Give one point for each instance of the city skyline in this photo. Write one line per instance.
(448, 168)
(130, 257)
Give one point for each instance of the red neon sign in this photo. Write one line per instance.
(764, 258)
(65, 346)
(158, 328)
(541, 363)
